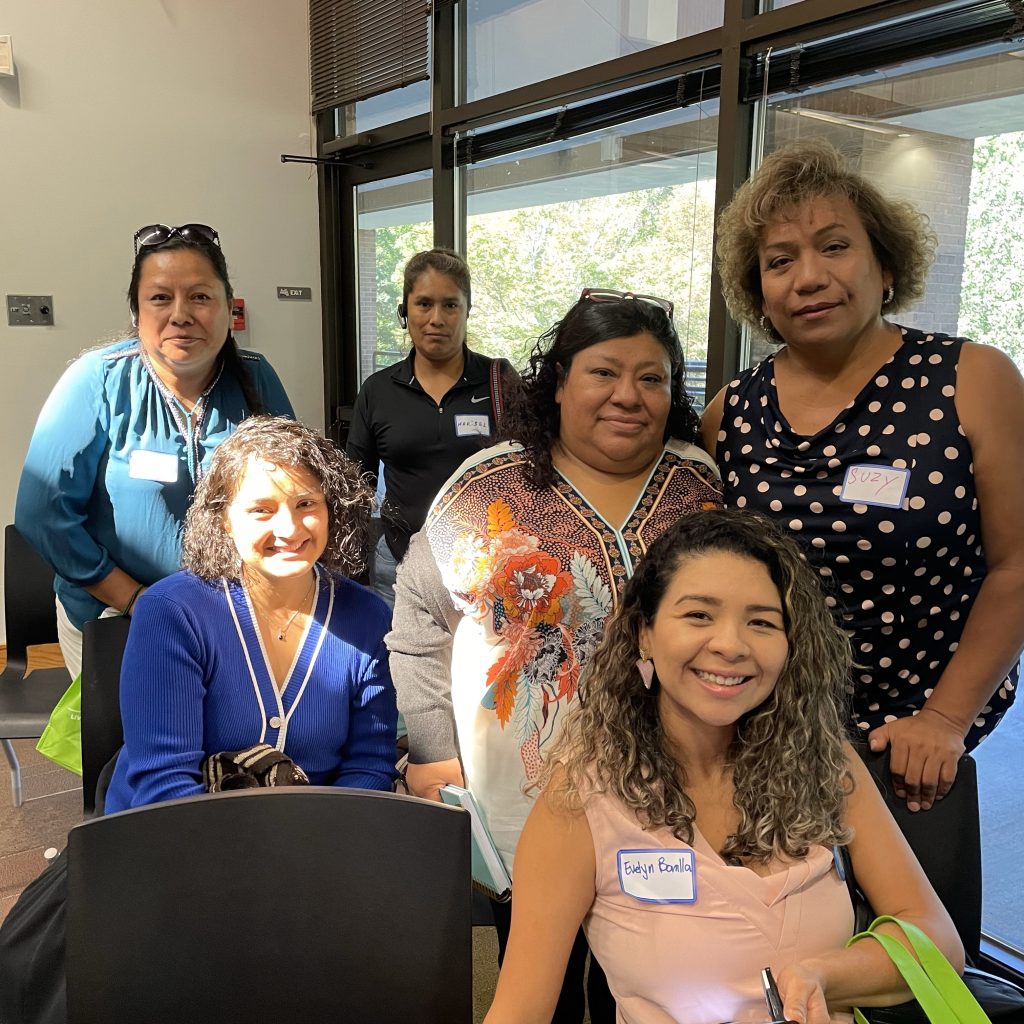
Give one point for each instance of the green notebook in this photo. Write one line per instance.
(489, 874)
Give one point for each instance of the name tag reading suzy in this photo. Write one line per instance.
(658, 876)
(875, 485)
(159, 466)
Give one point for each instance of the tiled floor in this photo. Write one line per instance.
(52, 803)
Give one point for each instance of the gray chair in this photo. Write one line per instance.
(285, 905)
(26, 701)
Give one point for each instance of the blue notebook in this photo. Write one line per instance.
(489, 874)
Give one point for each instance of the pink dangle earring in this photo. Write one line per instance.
(645, 666)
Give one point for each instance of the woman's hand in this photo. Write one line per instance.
(426, 780)
(803, 994)
(926, 749)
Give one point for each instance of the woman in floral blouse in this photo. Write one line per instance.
(504, 593)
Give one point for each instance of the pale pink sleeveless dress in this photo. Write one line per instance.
(700, 962)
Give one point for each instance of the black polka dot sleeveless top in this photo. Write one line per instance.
(884, 504)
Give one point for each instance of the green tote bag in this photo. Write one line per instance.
(938, 989)
(62, 738)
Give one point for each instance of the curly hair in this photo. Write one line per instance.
(207, 548)
(801, 172)
(788, 764)
(533, 416)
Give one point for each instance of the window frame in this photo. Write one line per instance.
(737, 48)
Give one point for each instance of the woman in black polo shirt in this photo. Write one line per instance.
(423, 416)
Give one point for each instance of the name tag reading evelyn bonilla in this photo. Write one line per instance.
(658, 876)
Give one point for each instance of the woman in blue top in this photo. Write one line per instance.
(263, 639)
(130, 428)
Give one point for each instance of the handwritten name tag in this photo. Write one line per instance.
(658, 876)
(875, 485)
(159, 466)
(465, 426)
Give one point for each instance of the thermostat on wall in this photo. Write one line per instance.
(6, 56)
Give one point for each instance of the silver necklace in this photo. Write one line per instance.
(305, 598)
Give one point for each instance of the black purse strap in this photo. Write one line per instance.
(499, 367)
(863, 914)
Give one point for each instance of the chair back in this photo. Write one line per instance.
(29, 611)
(103, 642)
(947, 842)
(31, 618)
(286, 905)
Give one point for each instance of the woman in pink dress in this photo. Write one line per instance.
(694, 805)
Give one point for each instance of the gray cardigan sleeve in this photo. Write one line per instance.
(420, 643)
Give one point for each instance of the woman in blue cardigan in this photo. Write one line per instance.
(263, 638)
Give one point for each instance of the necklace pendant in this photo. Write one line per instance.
(280, 636)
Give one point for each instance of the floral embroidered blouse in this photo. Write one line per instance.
(513, 586)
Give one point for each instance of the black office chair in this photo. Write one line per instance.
(26, 701)
(271, 905)
(947, 842)
(103, 642)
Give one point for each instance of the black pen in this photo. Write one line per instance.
(772, 997)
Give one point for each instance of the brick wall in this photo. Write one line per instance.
(934, 173)
(931, 171)
(367, 242)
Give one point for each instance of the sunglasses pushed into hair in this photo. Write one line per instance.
(158, 234)
(611, 295)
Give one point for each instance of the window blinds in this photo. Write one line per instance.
(361, 48)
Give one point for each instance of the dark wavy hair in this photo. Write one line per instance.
(533, 416)
(230, 357)
(788, 761)
(801, 172)
(207, 548)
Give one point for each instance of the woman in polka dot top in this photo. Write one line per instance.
(894, 455)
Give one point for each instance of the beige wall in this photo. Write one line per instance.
(129, 112)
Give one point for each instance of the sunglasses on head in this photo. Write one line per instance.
(611, 295)
(158, 234)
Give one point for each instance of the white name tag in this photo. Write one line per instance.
(159, 466)
(465, 426)
(658, 876)
(875, 485)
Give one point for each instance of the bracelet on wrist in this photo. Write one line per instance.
(131, 600)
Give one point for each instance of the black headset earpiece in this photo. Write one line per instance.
(403, 315)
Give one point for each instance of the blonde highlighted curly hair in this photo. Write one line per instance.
(801, 172)
(789, 766)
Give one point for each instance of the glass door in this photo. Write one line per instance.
(947, 134)
(394, 220)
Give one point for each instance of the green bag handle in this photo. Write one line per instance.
(939, 990)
